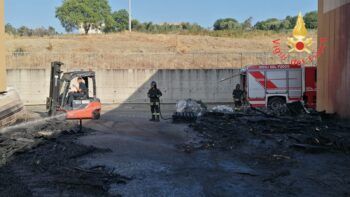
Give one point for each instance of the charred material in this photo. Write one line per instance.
(305, 132)
(54, 167)
(291, 155)
(184, 117)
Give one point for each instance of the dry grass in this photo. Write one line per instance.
(139, 50)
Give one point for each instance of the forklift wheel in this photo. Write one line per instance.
(96, 115)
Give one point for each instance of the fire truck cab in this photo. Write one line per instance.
(275, 85)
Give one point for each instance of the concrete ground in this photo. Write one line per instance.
(149, 154)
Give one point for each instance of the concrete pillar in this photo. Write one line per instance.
(11, 106)
(333, 82)
(3, 84)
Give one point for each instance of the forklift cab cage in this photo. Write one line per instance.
(67, 79)
(83, 108)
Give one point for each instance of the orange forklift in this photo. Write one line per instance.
(86, 107)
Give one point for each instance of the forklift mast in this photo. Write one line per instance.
(55, 82)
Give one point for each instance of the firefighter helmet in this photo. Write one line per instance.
(154, 84)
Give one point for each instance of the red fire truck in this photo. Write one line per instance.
(275, 85)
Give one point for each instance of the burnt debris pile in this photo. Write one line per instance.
(29, 133)
(309, 133)
(55, 167)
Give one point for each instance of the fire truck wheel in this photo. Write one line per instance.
(277, 104)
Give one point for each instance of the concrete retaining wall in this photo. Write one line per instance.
(131, 85)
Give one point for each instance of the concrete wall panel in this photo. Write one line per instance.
(131, 85)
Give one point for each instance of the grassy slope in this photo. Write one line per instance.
(141, 43)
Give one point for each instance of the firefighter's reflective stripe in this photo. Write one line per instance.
(156, 114)
(155, 103)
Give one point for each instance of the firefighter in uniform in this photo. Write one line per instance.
(154, 94)
(238, 96)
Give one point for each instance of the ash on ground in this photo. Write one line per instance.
(39, 155)
(305, 132)
(54, 168)
(292, 155)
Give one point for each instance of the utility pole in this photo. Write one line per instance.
(3, 84)
(130, 16)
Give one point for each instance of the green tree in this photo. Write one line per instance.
(226, 24)
(25, 31)
(41, 31)
(285, 24)
(148, 26)
(51, 31)
(121, 19)
(311, 20)
(270, 24)
(191, 27)
(9, 29)
(136, 25)
(247, 24)
(86, 13)
(292, 20)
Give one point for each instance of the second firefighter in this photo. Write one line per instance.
(238, 97)
(154, 94)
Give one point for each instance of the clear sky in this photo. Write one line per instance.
(37, 13)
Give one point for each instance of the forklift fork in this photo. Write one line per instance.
(80, 125)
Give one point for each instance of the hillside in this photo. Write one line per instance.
(139, 50)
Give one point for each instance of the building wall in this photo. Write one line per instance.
(3, 85)
(92, 30)
(131, 85)
(334, 65)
